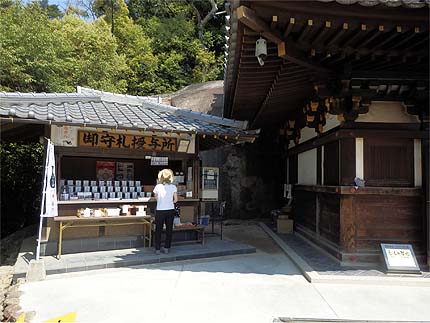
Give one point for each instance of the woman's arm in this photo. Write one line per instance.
(175, 197)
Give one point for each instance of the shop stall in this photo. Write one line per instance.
(107, 178)
(109, 149)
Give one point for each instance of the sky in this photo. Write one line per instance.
(62, 4)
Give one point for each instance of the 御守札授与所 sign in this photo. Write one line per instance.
(400, 257)
(126, 141)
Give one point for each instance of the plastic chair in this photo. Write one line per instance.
(218, 218)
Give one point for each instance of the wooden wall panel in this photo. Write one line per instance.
(347, 161)
(331, 163)
(304, 208)
(388, 219)
(389, 162)
(329, 216)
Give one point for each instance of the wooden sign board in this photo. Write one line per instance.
(400, 258)
(125, 141)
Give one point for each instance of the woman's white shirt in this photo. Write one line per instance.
(165, 196)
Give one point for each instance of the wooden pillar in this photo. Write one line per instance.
(319, 164)
(317, 214)
(293, 169)
(347, 161)
(47, 131)
(347, 225)
(425, 164)
(425, 151)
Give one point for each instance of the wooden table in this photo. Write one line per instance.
(80, 222)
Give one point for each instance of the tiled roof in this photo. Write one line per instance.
(104, 109)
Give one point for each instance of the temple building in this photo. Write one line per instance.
(342, 87)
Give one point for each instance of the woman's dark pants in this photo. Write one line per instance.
(163, 217)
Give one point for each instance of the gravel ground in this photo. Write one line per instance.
(9, 293)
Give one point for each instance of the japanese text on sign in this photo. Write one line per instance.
(400, 257)
(125, 141)
(159, 161)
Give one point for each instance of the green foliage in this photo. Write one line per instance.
(51, 10)
(156, 8)
(88, 56)
(21, 183)
(54, 55)
(182, 57)
(21, 64)
(141, 47)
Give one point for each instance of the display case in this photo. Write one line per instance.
(210, 183)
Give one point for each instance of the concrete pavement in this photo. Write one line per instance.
(246, 288)
(232, 289)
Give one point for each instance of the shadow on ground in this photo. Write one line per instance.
(258, 254)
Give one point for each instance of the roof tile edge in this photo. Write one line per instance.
(154, 104)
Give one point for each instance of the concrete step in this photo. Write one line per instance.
(214, 247)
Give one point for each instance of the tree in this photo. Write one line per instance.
(21, 182)
(183, 57)
(26, 48)
(111, 10)
(72, 10)
(88, 56)
(158, 46)
(202, 22)
(137, 49)
(52, 10)
(40, 54)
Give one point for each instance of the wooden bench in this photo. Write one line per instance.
(66, 222)
(198, 229)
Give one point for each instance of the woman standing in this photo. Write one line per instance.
(166, 195)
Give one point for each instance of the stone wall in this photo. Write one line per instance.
(251, 177)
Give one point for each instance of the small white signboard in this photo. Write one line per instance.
(400, 258)
(159, 161)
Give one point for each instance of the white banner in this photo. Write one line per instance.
(49, 206)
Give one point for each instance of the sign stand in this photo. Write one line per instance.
(400, 258)
(49, 193)
(45, 171)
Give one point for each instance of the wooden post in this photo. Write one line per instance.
(347, 225)
(347, 161)
(425, 162)
(426, 188)
(317, 214)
